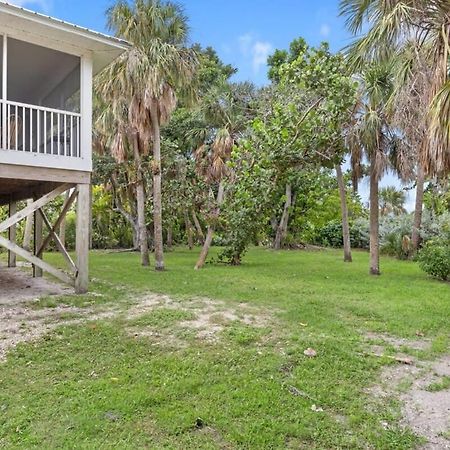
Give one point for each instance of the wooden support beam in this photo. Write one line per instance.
(82, 239)
(59, 244)
(67, 204)
(37, 271)
(11, 246)
(12, 259)
(33, 207)
(20, 172)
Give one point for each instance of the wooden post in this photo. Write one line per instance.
(82, 239)
(12, 259)
(38, 222)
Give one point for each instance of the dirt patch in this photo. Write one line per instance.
(17, 286)
(210, 316)
(20, 322)
(424, 411)
(397, 342)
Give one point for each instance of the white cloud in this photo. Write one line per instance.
(245, 43)
(260, 52)
(257, 50)
(325, 30)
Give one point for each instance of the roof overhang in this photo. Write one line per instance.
(21, 23)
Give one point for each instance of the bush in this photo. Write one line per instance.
(331, 234)
(434, 259)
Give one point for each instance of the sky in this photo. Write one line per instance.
(243, 32)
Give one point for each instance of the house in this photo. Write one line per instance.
(47, 68)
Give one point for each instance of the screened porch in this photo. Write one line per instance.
(40, 115)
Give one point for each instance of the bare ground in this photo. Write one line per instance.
(20, 321)
(426, 412)
(210, 316)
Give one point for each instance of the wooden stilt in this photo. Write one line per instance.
(12, 232)
(38, 222)
(82, 239)
(36, 208)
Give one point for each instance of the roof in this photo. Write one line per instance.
(22, 23)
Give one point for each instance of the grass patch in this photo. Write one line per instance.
(441, 385)
(162, 318)
(96, 386)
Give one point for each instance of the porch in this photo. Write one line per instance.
(45, 107)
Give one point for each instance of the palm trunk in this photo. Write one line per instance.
(344, 210)
(198, 227)
(283, 225)
(189, 234)
(157, 192)
(140, 200)
(28, 232)
(211, 228)
(415, 238)
(374, 220)
(169, 237)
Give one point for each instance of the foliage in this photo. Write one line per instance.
(434, 259)
(330, 235)
(298, 128)
(392, 201)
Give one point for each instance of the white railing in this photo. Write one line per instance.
(39, 130)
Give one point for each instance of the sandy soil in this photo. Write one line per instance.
(426, 413)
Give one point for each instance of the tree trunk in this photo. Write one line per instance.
(189, 234)
(157, 194)
(344, 210)
(169, 237)
(28, 232)
(283, 225)
(211, 228)
(198, 227)
(140, 200)
(415, 238)
(374, 220)
(129, 217)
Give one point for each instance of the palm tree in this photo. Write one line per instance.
(371, 136)
(392, 201)
(396, 26)
(146, 79)
(226, 109)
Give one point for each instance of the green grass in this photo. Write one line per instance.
(96, 385)
(441, 385)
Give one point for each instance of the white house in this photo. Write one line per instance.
(46, 69)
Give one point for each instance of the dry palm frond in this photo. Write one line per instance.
(118, 148)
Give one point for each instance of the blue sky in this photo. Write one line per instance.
(243, 32)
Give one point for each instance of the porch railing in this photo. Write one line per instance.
(39, 130)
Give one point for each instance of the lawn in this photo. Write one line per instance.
(150, 381)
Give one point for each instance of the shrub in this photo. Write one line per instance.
(434, 259)
(331, 234)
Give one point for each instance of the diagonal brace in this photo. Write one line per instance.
(32, 207)
(58, 243)
(36, 261)
(67, 204)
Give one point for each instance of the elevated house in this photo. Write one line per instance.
(46, 72)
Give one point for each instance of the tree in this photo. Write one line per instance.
(148, 77)
(396, 27)
(392, 201)
(344, 209)
(227, 109)
(372, 136)
(297, 130)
